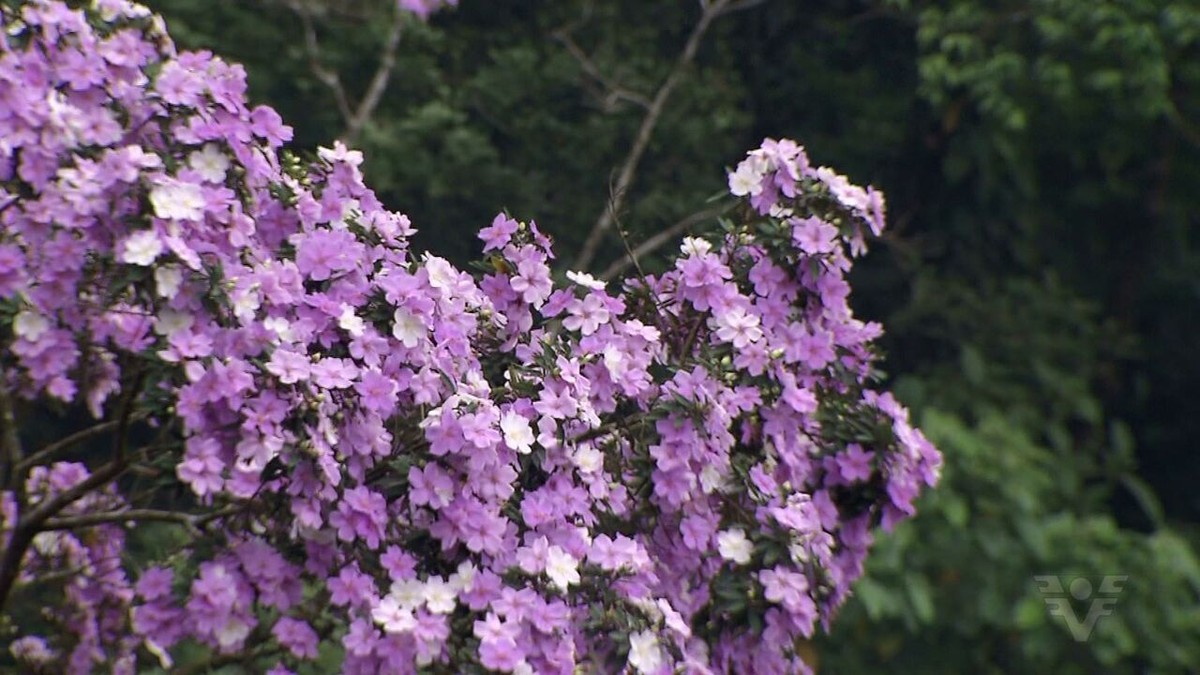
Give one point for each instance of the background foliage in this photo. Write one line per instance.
(1040, 283)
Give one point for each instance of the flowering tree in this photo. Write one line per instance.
(387, 459)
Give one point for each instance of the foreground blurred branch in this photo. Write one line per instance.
(628, 169)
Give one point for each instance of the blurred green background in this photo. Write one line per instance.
(1040, 283)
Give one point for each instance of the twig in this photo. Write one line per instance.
(656, 242)
(642, 140)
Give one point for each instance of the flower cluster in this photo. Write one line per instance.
(432, 468)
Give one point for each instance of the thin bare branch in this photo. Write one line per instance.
(379, 81)
(356, 116)
(313, 48)
(615, 91)
(657, 241)
(628, 169)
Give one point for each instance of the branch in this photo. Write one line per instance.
(327, 77)
(71, 441)
(616, 92)
(370, 101)
(630, 166)
(356, 117)
(29, 524)
(10, 441)
(658, 241)
(192, 521)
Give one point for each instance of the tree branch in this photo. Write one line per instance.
(71, 441)
(370, 101)
(313, 48)
(192, 521)
(641, 141)
(356, 117)
(658, 241)
(29, 524)
(11, 454)
(615, 91)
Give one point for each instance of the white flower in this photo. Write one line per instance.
(518, 434)
(710, 478)
(280, 327)
(351, 322)
(177, 200)
(694, 246)
(169, 322)
(738, 327)
(49, 544)
(246, 303)
(734, 546)
(210, 163)
(142, 248)
(614, 361)
(409, 593)
(562, 569)
(30, 325)
(464, 577)
(393, 617)
(442, 274)
(440, 596)
(167, 280)
(747, 178)
(408, 328)
(645, 655)
(587, 280)
(589, 459)
(234, 631)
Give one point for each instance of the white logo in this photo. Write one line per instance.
(1058, 600)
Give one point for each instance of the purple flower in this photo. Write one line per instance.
(361, 514)
(296, 636)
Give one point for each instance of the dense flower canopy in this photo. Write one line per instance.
(423, 467)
